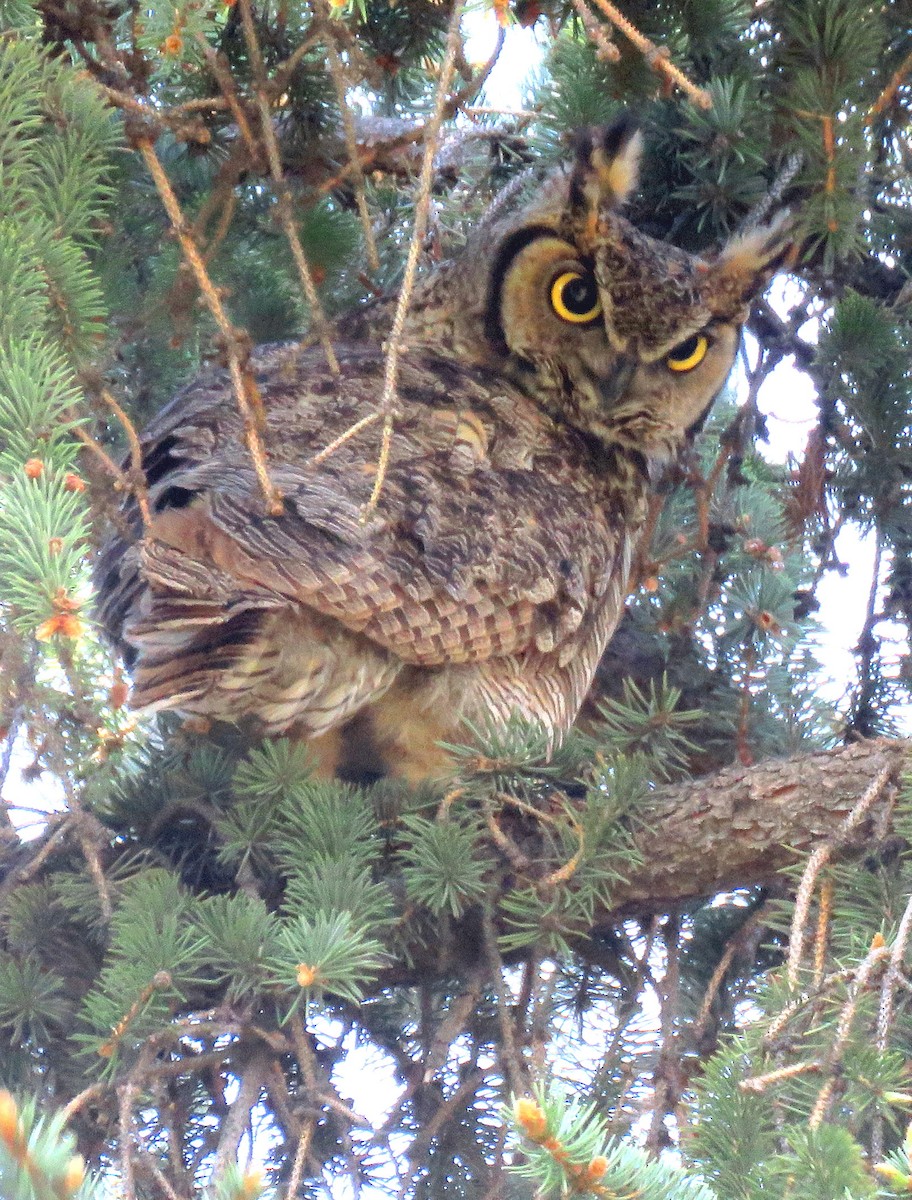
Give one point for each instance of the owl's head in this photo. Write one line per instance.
(628, 338)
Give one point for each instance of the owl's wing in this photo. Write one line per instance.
(487, 541)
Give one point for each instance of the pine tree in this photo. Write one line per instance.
(669, 960)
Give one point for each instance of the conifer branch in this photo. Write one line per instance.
(873, 962)
(820, 856)
(893, 976)
(605, 48)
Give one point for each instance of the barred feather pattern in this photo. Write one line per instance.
(495, 560)
(548, 372)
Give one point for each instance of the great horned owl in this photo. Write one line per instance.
(552, 367)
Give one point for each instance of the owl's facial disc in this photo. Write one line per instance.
(543, 299)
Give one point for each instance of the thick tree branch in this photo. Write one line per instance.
(737, 828)
(744, 824)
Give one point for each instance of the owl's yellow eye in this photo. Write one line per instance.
(689, 354)
(575, 298)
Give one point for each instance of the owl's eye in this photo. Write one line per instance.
(575, 298)
(689, 354)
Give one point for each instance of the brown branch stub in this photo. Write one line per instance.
(656, 56)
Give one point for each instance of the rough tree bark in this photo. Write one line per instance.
(737, 828)
(744, 824)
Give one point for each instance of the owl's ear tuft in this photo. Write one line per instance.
(749, 261)
(606, 168)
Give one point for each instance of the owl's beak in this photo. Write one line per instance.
(613, 385)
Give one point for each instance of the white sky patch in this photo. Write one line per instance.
(522, 54)
(788, 401)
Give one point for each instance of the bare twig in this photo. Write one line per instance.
(337, 73)
(665, 1090)
(422, 210)
(509, 1052)
(147, 1163)
(252, 1075)
(245, 393)
(285, 206)
(137, 482)
(222, 72)
(99, 451)
(734, 944)
(347, 435)
(92, 1092)
(818, 859)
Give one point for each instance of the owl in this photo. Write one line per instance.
(554, 366)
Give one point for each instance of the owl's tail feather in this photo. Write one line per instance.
(183, 659)
(192, 633)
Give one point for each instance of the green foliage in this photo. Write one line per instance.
(56, 142)
(37, 1159)
(37, 397)
(822, 1163)
(574, 92)
(573, 1142)
(326, 954)
(42, 547)
(652, 725)
(442, 867)
(339, 886)
(31, 999)
(271, 770)
(236, 1184)
(152, 959)
(239, 939)
(722, 154)
(732, 1153)
(324, 818)
(895, 1172)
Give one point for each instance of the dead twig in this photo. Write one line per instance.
(422, 211)
(337, 73)
(284, 204)
(245, 392)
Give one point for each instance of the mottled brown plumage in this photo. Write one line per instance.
(493, 570)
